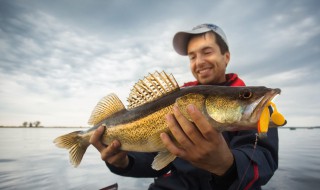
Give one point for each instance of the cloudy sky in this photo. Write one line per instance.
(58, 58)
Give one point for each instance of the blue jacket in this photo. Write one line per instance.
(252, 168)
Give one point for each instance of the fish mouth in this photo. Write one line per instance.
(260, 104)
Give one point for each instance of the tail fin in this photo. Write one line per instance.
(76, 143)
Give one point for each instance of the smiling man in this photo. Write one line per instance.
(206, 158)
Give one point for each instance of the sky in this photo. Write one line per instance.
(59, 58)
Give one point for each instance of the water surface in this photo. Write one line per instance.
(29, 160)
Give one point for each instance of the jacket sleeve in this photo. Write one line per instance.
(139, 166)
(255, 165)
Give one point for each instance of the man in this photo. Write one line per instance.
(206, 158)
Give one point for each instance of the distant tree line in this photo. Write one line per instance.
(31, 124)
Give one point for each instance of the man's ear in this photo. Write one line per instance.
(227, 58)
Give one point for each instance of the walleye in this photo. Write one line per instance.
(139, 126)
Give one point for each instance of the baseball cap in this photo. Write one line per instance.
(181, 39)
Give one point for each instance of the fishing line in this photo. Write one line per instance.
(254, 150)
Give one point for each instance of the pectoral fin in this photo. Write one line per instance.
(162, 160)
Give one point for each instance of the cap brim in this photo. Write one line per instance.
(181, 39)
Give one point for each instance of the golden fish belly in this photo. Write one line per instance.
(141, 135)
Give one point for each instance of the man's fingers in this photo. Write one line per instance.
(177, 131)
(110, 150)
(205, 128)
(95, 139)
(170, 145)
(188, 127)
(119, 159)
(114, 156)
(111, 153)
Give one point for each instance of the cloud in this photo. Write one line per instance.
(58, 58)
(49, 67)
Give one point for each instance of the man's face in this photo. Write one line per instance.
(207, 63)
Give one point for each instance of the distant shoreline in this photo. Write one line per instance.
(40, 127)
(291, 128)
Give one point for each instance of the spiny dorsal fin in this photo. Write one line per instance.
(151, 88)
(107, 106)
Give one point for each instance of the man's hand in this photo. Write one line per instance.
(112, 153)
(200, 143)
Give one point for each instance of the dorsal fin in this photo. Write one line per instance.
(151, 88)
(107, 106)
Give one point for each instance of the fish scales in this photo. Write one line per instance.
(135, 135)
(138, 128)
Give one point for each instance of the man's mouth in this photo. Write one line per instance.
(203, 70)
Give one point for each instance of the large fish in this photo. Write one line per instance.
(138, 128)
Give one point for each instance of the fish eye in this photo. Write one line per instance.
(245, 94)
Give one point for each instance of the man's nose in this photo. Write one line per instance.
(199, 59)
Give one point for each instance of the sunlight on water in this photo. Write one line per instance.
(29, 160)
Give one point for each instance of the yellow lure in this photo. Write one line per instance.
(276, 117)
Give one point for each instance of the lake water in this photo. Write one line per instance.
(29, 160)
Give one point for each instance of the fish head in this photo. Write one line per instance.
(239, 106)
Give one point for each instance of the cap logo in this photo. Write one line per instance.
(210, 26)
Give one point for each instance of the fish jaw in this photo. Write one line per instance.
(261, 104)
(253, 111)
